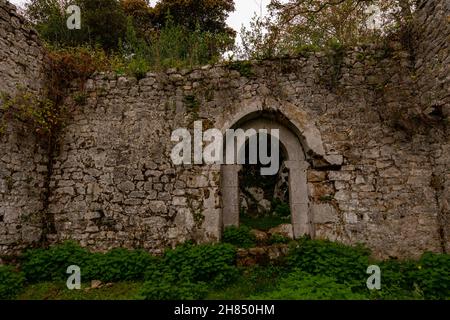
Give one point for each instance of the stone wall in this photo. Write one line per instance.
(114, 183)
(21, 52)
(23, 163)
(433, 54)
(433, 83)
(371, 178)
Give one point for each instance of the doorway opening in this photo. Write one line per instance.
(292, 169)
(264, 199)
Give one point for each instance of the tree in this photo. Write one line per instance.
(141, 14)
(294, 24)
(49, 18)
(205, 15)
(205, 19)
(208, 15)
(103, 22)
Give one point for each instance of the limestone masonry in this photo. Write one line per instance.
(364, 163)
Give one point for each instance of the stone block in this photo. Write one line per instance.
(324, 213)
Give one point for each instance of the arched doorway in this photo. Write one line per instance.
(295, 163)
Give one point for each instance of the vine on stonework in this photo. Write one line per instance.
(45, 112)
(33, 110)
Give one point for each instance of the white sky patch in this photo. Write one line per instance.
(245, 11)
(19, 3)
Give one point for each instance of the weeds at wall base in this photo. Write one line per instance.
(313, 269)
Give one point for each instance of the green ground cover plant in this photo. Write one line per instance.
(312, 270)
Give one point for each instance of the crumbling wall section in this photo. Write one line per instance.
(23, 162)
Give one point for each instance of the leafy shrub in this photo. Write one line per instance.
(35, 111)
(188, 271)
(278, 238)
(240, 237)
(312, 270)
(428, 278)
(138, 67)
(117, 265)
(281, 209)
(245, 68)
(396, 281)
(432, 275)
(212, 264)
(50, 264)
(44, 112)
(11, 282)
(300, 285)
(321, 257)
(75, 63)
(173, 46)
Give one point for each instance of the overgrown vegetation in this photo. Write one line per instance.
(11, 282)
(59, 291)
(296, 27)
(263, 223)
(189, 271)
(280, 214)
(244, 68)
(132, 37)
(278, 239)
(136, 37)
(41, 265)
(428, 278)
(240, 237)
(300, 285)
(125, 37)
(44, 112)
(345, 264)
(313, 269)
(183, 273)
(335, 54)
(35, 111)
(281, 208)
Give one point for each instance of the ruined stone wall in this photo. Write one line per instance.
(114, 183)
(23, 163)
(370, 178)
(21, 52)
(432, 50)
(433, 90)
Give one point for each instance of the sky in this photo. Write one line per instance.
(245, 10)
